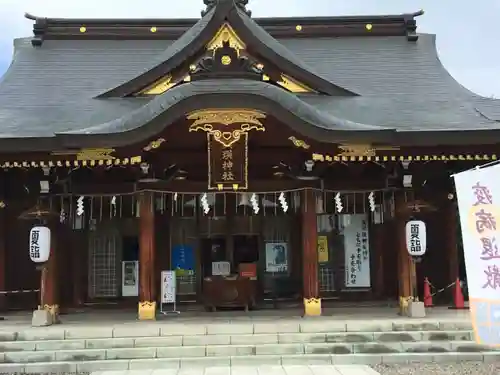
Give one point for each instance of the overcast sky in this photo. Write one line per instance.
(467, 30)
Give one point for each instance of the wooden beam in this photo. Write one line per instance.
(261, 156)
(260, 185)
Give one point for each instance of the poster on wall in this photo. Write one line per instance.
(221, 268)
(130, 278)
(478, 197)
(276, 257)
(323, 249)
(357, 252)
(183, 260)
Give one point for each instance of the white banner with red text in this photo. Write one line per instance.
(478, 196)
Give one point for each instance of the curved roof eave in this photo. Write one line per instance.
(198, 36)
(487, 107)
(165, 109)
(12, 60)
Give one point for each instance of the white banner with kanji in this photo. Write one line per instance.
(478, 196)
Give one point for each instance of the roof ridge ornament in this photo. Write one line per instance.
(210, 4)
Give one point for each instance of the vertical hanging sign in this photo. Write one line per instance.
(478, 196)
(357, 252)
(227, 165)
(227, 137)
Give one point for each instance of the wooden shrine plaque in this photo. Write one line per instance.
(228, 166)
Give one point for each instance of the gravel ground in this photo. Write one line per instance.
(466, 368)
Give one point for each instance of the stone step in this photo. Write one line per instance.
(257, 360)
(294, 326)
(242, 350)
(255, 339)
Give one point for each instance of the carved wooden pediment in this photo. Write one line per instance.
(226, 62)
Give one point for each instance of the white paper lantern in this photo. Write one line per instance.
(39, 244)
(416, 238)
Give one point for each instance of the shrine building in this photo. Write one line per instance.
(261, 159)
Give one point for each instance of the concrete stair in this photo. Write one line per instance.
(173, 344)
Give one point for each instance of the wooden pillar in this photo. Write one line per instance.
(147, 295)
(312, 303)
(79, 241)
(404, 260)
(378, 242)
(49, 276)
(4, 232)
(3, 257)
(450, 218)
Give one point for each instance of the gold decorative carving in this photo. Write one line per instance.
(226, 34)
(225, 60)
(358, 150)
(216, 121)
(404, 302)
(312, 306)
(159, 87)
(95, 154)
(147, 310)
(226, 116)
(395, 158)
(299, 143)
(53, 311)
(71, 162)
(154, 144)
(89, 153)
(292, 85)
(289, 84)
